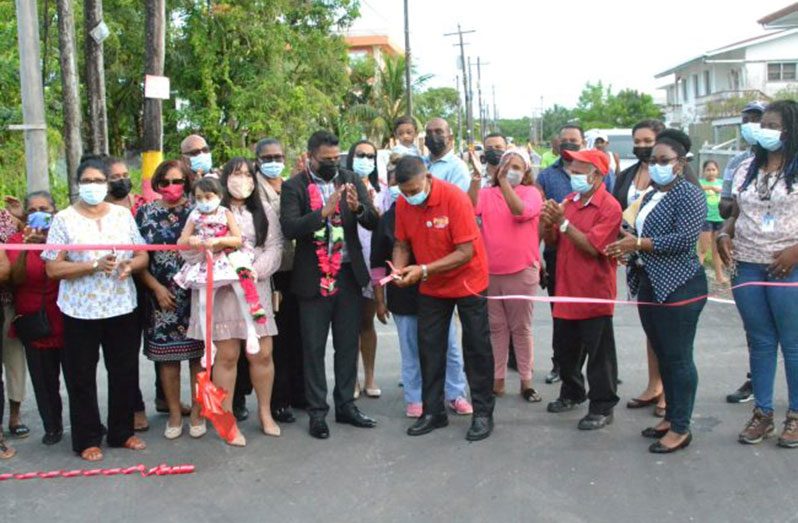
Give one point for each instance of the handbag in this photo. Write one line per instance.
(33, 326)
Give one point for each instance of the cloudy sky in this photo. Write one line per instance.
(550, 49)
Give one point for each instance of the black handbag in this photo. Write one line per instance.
(34, 326)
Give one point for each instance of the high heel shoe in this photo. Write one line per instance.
(658, 448)
(274, 432)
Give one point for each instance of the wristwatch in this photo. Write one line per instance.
(564, 226)
(424, 273)
(95, 265)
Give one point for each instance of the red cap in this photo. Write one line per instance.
(594, 157)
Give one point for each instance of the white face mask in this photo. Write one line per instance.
(93, 193)
(514, 177)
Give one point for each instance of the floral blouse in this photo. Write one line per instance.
(94, 296)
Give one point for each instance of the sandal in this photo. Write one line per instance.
(135, 443)
(92, 454)
(639, 403)
(531, 395)
(6, 452)
(20, 431)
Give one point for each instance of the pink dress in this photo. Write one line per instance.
(194, 273)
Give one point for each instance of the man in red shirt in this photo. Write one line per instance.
(436, 226)
(582, 226)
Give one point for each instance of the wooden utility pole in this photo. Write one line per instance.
(30, 82)
(408, 83)
(153, 121)
(95, 78)
(469, 115)
(73, 143)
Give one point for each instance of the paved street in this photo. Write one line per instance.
(536, 467)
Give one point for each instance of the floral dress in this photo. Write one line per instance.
(165, 331)
(194, 274)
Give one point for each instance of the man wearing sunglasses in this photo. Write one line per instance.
(196, 154)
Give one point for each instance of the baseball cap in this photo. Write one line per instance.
(594, 157)
(754, 107)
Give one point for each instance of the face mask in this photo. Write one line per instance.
(171, 193)
(272, 169)
(208, 206)
(120, 188)
(327, 170)
(493, 156)
(748, 132)
(662, 175)
(363, 166)
(416, 199)
(201, 162)
(393, 193)
(568, 146)
(579, 183)
(436, 144)
(514, 177)
(403, 150)
(643, 153)
(93, 193)
(240, 186)
(40, 220)
(769, 139)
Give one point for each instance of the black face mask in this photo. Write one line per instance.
(120, 188)
(436, 144)
(327, 170)
(568, 146)
(493, 156)
(643, 153)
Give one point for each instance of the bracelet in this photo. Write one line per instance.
(639, 243)
(424, 273)
(723, 235)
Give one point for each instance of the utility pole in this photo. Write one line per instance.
(95, 76)
(483, 124)
(408, 83)
(471, 102)
(30, 82)
(155, 34)
(495, 112)
(73, 143)
(469, 116)
(459, 114)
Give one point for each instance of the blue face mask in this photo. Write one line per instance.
(416, 199)
(202, 162)
(363, 166)
(208, 206)
(93, 193)
(769, 139)
(393, 193)
(40, 220)
(579, 183)
(662, 175)
(272, 169)
(748, 132)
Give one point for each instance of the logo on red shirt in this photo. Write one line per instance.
(440, 222)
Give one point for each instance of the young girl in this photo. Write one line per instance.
(405, 132)
(214, 227)
(712, 187)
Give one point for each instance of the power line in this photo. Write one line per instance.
(464, 67)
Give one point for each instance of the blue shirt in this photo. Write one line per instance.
(452, 169)
(728, 173)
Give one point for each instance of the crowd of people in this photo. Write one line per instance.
(333, 246)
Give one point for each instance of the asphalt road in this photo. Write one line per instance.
(536, 467)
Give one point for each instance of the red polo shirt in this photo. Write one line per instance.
(578, 273)
(433, 230)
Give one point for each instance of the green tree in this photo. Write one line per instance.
(599, 107)
(443, 102)
(517, 129)
(554, 118)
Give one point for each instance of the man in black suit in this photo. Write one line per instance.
(321, 208)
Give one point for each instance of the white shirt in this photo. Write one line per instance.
(644, 211)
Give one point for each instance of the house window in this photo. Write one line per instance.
(778, 72)
(707, 85)
(695, 86)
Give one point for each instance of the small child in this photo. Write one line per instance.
(405, 132)
(214, 227)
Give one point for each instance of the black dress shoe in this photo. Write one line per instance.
(352, 415)
(659, 448)
(595, 421)
(553, 377)
(51, 438)
(561, 405)
(427, 423)
(241, 412)
(481, 427)
(319, 428)
(653, 433)
(284, 415)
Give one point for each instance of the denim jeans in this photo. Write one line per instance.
(671, 331)
(770, 318)
(407, 329)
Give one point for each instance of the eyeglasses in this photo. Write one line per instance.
(197, 152)
(365, 155)
(167, 183)
(271, 158)
(661, 161)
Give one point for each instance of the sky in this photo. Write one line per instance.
(541, 53)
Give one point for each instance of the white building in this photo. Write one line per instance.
(753, 69)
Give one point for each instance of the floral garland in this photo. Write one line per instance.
(328, 247)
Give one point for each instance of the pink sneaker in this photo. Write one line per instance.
(414, 410)
(461, 406)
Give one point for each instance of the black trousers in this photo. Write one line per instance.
(44, 366)
(550, 258)
(289, 376)
(593, 339)
(2, 385)
(341, 311)
(119, 339)
(434, 318)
